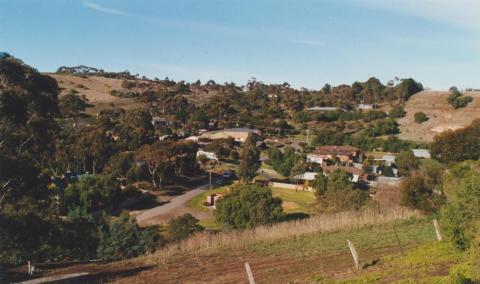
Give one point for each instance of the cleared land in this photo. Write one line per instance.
(442, 116)
(96, 90)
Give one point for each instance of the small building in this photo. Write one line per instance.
(313, 158)
(366, 106)
(157, 121)
(209, 155)
(348, 154)
(321, 109)
(306, 176)
(422, 153)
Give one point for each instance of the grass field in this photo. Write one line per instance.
(293, 202)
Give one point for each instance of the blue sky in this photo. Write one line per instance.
(305, 42)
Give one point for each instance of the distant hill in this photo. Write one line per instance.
(442, 116)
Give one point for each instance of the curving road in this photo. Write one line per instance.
(176, 207)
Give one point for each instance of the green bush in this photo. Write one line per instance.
(382, 127)
(461, 216)
(247, 206)
(397, 112)
(420, 117)
(184, 226)
(123, 238)
(336, 192)
(418, 194)
(458, 100)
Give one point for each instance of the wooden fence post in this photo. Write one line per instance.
(437, 230)
(249, 273)
(354, 254)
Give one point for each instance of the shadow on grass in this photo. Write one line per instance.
(296, 216)
(149, 202)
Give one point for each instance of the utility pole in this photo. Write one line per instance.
(210, 178)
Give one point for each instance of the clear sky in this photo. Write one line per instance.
(305, 42)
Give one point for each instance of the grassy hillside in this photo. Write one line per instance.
(442, 116)
(96, 90)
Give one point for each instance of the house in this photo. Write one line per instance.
(320, 109)
(209, 155)
(347, 154)
(238, 134)
(157, 121)
(306, 176)
(421, 153)
(313, 158)
(357, 174)
(192, 138)
(366, 106)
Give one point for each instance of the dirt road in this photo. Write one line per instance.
(176, 207)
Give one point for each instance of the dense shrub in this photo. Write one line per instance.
(336, 192)
(461, 216)
(420, 117)
(91, 192)
(374, 115)
(247, 206)
(184, 226)
(397, 112)
(418, 194)
(383, 127)
(406, 163)
(123, 238)
(459, 145)
(283, 162)
(457, 99)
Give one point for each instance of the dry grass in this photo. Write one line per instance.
(207, 243)
(442, 116)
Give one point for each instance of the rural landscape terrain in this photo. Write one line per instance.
(112, 177)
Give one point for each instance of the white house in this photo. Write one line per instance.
(306, 176)
(312, 158)
(365, 106)
(209, 155)
(422, 153)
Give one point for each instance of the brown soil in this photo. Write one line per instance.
(230, 268)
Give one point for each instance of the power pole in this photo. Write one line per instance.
(210, 178)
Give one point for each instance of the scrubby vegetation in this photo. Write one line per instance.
(247, 206)
(457, 99)
(420, 117)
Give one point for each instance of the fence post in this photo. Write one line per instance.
(29, 268)
(249, 273)
(437, 230)
(354, 254)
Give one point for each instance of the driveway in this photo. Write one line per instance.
(176, 207)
